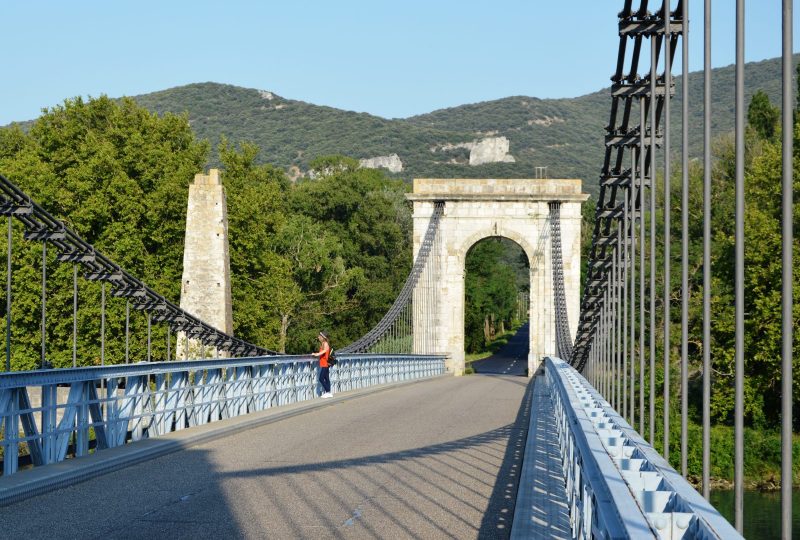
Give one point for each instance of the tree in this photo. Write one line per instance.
(368, 214)
(491, 287)
(762, 116)
(762, 285)
(261, 283)
(118, 175)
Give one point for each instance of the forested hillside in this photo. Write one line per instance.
(565, 135)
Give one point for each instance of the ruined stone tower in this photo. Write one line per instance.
(206, 283)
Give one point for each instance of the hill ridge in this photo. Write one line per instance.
(566, 135)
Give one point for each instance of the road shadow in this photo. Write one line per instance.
(150, 500)
(499, 514)
(463, 488)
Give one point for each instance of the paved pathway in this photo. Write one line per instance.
(511, 359)
(436, 459)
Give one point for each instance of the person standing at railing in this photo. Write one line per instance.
(323, 354)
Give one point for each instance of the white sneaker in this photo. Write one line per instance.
(326, 395)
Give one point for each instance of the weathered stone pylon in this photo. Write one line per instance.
(206, 282)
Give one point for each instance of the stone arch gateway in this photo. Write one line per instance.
(516, 209)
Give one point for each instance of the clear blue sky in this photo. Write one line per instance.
(393, 59)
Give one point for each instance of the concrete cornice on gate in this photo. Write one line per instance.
(497, 189)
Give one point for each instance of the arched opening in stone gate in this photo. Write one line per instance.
(496, 307)
(517, 209)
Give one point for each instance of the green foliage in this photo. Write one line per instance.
(762, 116)
(118, 175)
(264, 293)
(325, 253)
(495, 270)
(762, 458)
(762, 300)
(368, 221)
(762, 304)
(762, 282)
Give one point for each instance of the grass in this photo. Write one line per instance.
(762, 456)
(500, 341)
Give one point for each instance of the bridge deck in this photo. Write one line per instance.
(436, 459)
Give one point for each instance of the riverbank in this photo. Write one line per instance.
(761, 460)
(762, 485)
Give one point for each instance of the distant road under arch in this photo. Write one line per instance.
(511, 359)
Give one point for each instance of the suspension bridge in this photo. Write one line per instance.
(237, 445)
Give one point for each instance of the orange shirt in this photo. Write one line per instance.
(324, 353)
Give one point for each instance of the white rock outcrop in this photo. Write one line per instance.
(546, 121)
(490, 150)
(391, 162)
(487, 150)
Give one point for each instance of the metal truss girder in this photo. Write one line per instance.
(629, 140)
(169, 316)
(611, 213)
(591, 312)
(638, 89)
(603, 266)
(648, 26)
(622, 180)
(610, 240)
(217, 341)
(43, 234)
(150, 306)
(41, 225)
(77, 256)
(111, 276)
(624, 138)
(125, 291)
(616, 179)
(184, 326)
(8, 208)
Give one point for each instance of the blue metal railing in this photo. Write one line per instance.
(617, 485)
(109, 406)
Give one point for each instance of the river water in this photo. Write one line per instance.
(762, 513)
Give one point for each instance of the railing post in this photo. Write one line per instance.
(667, 217)
(685, 238)
(8, 295)
(706, 413)
(738, 414)
(787, 237)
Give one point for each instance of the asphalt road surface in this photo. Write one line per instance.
(435, 459)
(511, 359)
